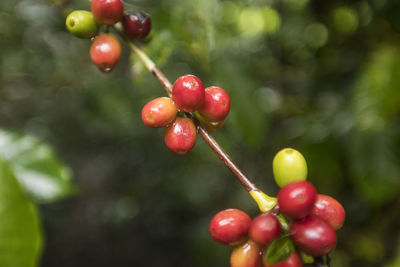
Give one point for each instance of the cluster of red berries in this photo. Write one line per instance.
(211, 105)
(105, 50)
(313, 221)
(313, 217)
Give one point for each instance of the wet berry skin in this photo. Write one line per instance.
(188, 93)
(81, 24)
(230, 226)
(264, 229)
(248, 254)
(330, 210)
(216, 104)
(296, 199)
(159, 112)
(313, 235)
(107, 11)
(136, 23)
(180, 136)
(105, 52)
(294, 260)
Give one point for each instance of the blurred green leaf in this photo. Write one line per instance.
(19, 227)
(36, 166)
(376, 98)
(279, 250)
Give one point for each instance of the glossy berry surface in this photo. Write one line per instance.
(81, 23)
(159, 112)
(188, 93)
(288, 166)
(105, 52)
(313, 235)
(296, 199)
(230, 226)
(294, 260)
(264, 229)
(107, 11)
(136, 23)
(216, 104)
(248, 254)
(330, 210)
(180, 136)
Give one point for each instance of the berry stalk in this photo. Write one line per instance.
(264, 202)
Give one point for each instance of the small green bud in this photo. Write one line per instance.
(81, 23)
(288, 166)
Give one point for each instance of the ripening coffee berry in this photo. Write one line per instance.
(330, 210)
(137, 24)
(159, 112)
(180, 136)
(230, 226)
(296, 199)
(248, 254)
(288, 166)
(188, 93)
(81, 24)
(313, 235)
(264, 229)
(107, 11)
(294, 260)
(105, 52)
(216, 104)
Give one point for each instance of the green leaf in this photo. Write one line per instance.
(36, 167)
(279, 250)
(20, 232)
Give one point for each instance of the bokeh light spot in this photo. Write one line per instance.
(345, 20)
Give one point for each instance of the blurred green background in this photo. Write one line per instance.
(320, 76)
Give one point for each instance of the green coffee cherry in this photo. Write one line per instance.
(81, 24)
(288, 166)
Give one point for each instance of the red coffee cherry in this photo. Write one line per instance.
(248, 254)
(188, 93)
(216, 104)
(105, 52)
(107, 11)
(296, 199)
(264, 229)
(230, 226)
(330, 210)
(294, 260)
(137, 24)
(313, 235)
(180, 137)
(159, 112)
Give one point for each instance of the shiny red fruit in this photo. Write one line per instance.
(313, 235)
(296, 199)
(216, 104)
(330, 210)
(248, 254)
(230, 226)
(159, 112)
(264, 229)
(188, 93)
(180, 137)
(294, 260)
(107, 11)
(105, 52)
(137, 24)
